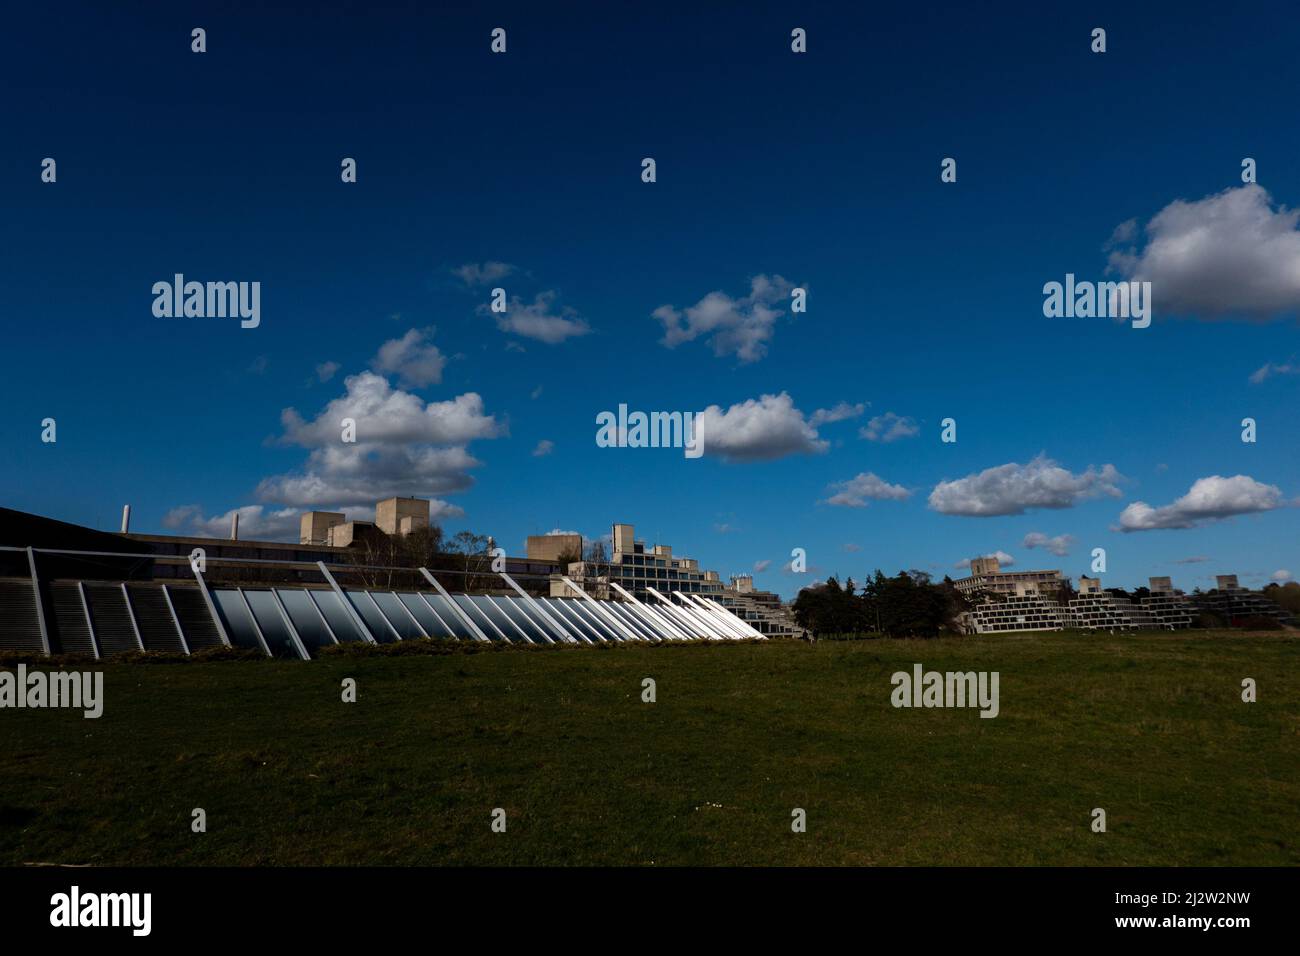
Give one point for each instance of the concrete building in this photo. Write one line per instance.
(1232, 603)
(1026, 609)
(986, 575)
(315, 526)
(762, 610)
(553, 547)
(637, 569)
(1095, 609)
(1169, 609)
(402, 515)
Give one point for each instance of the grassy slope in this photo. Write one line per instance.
(1152, 728)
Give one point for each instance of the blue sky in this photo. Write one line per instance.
(819, 171)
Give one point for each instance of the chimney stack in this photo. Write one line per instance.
(234, 526)
(126, 518)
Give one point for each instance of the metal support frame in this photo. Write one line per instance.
(288, 622)
(130, 612)
(691, 625)
(537, 606)
(655, 623)
(601, 612)
(321, 614)
(257, 628)
(90, 626)
(212, 607)
(40, 605)
(171, 609)
(347, 605)
(460, 612)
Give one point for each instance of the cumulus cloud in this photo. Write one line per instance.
(1271, 369)
(1229, 254)
(327, 370)
(384, 414)
(857, 491)
(840, 412)
(476, 274)
(1281, 575)
(538, 320)
(1210, 499)
(742, 326)
(413, 358)
(404, 446)
(1013, 489)
(757, 430)
(888, 427)
(1059, 545)
(255, 523)
(544, 447)
(1004, 560)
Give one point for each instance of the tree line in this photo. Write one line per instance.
(910, 604)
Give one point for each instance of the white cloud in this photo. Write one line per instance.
(1195, 559)
(1280, 575)
(255, 523)
(742, 327)
(1013, 489)
(413, 358)
(327, 370)
(842, 411)
(475, 274)
(889, 427)
(1004, 560)
(536, 320)
(768, 428)
(761, 566)
(1059, 545)
(1227, 254)
(855, 492)
(1210, 499)
(404, 446)
(385, 415)
(544, 447)
(1270, 369)
(852, 548)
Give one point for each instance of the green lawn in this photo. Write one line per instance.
(1152, 728)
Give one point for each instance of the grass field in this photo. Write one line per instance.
(1151, 728)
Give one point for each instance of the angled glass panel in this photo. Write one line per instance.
(429, 620)
(274, 631)
(665, 622)
(305, 617)
(395, 611)
(341, 622)
(536, 615)
(484, 623)
(499, 618)
(238, 622)
(448, 613)
(583, 610)
(560, 608)
(519, 615)
(632, 622)
(371, 614)
(657, 623)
